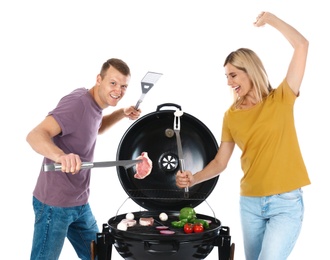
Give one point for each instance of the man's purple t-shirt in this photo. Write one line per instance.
(80, 118)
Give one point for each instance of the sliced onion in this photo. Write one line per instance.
(167, 232)
(161, 227)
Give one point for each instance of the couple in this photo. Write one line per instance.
(260, 122)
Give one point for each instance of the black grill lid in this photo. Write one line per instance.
(153, 133)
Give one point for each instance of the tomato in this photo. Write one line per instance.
(198, 228)
(188, 228)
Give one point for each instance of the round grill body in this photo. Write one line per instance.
(154, 133)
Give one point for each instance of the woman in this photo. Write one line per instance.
(260, 122)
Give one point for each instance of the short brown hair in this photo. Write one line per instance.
(118, 64)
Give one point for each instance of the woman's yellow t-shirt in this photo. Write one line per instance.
(271, 159)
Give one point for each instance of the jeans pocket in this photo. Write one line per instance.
(38, 208)
(291, 195)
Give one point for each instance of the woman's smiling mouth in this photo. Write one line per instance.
(236, 88)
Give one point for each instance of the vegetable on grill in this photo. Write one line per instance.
(188, 228)
(202, 221)
(198, 228)
(179, 223)
(187, 213)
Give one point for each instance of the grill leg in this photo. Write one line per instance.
(223, 243)
(102, 249)
(93, 250)
(232, 251)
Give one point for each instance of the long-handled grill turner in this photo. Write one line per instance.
(176, 127)
(147, 83)
(86, 165)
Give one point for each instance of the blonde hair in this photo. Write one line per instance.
(248, 61)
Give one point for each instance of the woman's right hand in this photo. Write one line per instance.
(184, 179)
(263, 18)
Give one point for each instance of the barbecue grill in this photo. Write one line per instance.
(157, 193)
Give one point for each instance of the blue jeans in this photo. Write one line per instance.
(271, 224)
(53, 224)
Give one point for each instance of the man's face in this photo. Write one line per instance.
(112, 87)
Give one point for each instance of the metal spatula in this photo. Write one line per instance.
(147, 83)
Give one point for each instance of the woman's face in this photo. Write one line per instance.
(238, 80)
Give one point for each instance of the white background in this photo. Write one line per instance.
(49, 48)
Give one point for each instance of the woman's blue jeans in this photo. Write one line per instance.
(271, 224)
(53, 224)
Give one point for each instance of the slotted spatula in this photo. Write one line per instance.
(147, 83)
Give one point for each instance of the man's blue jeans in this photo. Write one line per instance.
(53, 224)
(271, 224)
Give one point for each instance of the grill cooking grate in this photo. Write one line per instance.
(139, 229)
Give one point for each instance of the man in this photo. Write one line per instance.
(68, 136)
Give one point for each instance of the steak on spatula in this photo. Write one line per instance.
(143, 169)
